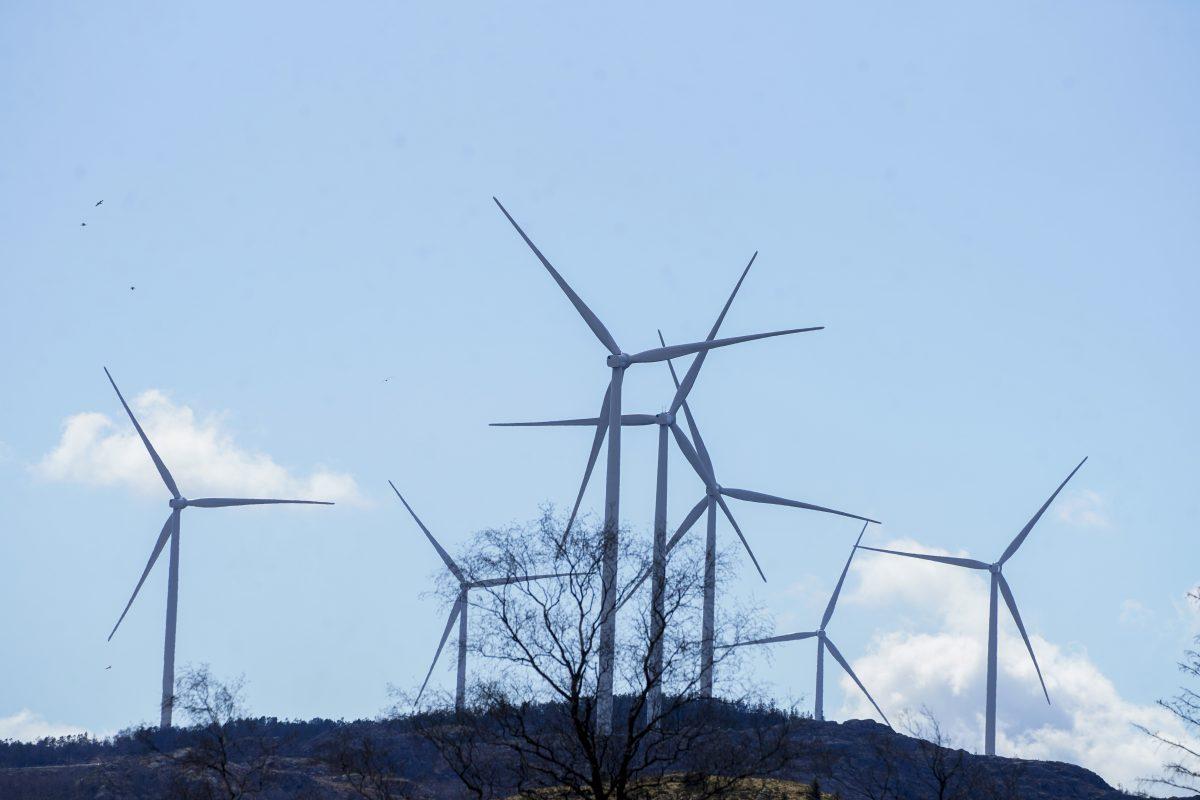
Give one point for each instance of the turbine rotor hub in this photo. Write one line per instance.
(994, 568)
(620, 361)
(665, 418)
(178, 503)
(714, 491)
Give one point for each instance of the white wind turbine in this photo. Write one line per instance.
(715, 495)
(458, 612)
(823, 642)
(170, 531)
(618, 361)
(666, 423)
(997, 583)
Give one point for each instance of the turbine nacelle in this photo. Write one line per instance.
(666, 419)
(713, 491)
(178, 503)
(995, 568)
(619, 360)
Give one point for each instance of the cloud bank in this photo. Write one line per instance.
(201, 454)
(938, 660)
(26, 726)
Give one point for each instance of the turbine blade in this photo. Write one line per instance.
(549, 423)
(1011, 602)
(701, 450)
(590, 318)
(1020, 537)
(487, 582)
(158, 462)
(167, 529)
(787, 637)
(678, 350)
(838, 589)
(691, 455)
(745, 544)
(759, 497)
(712, 333)
(222, 502)
(450, 565)
(626, 419)
(846, 666)
(689, 378)
(687, 523)
(454, 612)
(597, 442)
(969, 563)
(684, 527)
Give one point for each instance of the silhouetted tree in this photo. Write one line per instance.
(224, 753)
(878, 776)
(949, 772)
(531, 720)
(1181, 770)
(367, 758)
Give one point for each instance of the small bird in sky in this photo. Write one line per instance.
(98, 202)
(131, 288)
(83, 224)
(109, 666)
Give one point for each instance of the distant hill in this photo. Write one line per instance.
(854, 760)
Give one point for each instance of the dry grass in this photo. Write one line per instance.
(750, 789)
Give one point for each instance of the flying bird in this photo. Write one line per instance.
(98, 202)
(83, 224)
(131, 288)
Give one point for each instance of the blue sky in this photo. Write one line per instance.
(992, 210)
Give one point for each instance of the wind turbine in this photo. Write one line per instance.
(666, 425)
(170, 531)
(618, 361)
(997, 583)
(823, 641)
(458, 612)
(715, 495)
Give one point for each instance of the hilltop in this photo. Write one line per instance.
(854, 760)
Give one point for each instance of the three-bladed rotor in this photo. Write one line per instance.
(996, 569)
(465, 584)
(822, 636)
(178, 502)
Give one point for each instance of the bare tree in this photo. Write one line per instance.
(948, 772)
(226, 754)
(366, 757)
(878, 776)
(1181, 770)
(531, 719)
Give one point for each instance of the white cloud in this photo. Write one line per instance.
(1135, 613)
(1084, 509)
(201, 454)
(26, 726)
(937, 660)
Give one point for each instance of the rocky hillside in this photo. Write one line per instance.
(322, 759)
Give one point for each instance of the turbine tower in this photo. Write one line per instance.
(618, 361)
(714, 496)
(823, 642)
(667, 425)
(170, 531)
(458, 612)
(997, 583)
